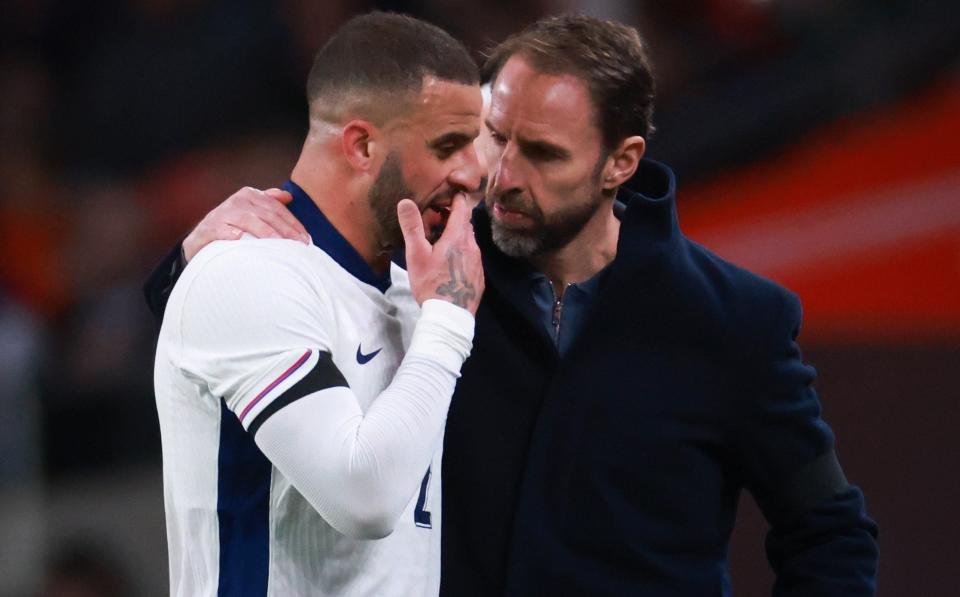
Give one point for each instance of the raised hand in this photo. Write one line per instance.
(450, 269)
(260, 213)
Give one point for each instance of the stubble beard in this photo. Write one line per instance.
(546, 234)
(384, 195)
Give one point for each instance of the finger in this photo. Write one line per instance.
(251, 224)
(411, 225)
(227, 232)
(472, 239)
(241, 199)
(459, 213)
(457, 221)
(280, 195)
(276, 214)
(203, 235)
(283, 222)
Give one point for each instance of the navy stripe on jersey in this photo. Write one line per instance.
(328, 238)
(243, 511)
(323, 375)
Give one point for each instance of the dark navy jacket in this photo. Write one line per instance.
(616, 470)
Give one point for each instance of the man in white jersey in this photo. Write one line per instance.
(301, 390)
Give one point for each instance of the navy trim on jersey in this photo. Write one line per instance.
(421, 517)
(323, 375)
(243, 511)
(330, 240)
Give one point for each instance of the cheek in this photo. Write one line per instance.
(424, 179)
(564, 183)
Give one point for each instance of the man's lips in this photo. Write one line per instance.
(435, 216)
(508, 216)
(442, 206)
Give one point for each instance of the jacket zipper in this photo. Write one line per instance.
(557, 311)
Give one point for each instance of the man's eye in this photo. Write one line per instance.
(445, 151)
(498, 138)
(541, 154)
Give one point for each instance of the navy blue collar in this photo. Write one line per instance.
(332, 243)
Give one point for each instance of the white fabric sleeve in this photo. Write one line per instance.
(249, 313)
(360, 470)
(252, 327)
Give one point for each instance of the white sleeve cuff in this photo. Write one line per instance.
(444, 334)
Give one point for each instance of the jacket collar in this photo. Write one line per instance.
(649, 229)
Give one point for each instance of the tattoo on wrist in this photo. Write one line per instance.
(458, 288)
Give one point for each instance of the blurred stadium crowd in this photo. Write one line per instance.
(123, 122)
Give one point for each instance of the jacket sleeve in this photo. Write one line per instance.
(158, 286)
(821, 541)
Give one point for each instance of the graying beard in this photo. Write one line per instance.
(513, 244)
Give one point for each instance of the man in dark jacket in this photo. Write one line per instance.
(626, 384)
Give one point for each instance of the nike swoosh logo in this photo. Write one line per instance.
(363, 359)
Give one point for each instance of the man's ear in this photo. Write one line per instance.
(360, 142)
(623, 162)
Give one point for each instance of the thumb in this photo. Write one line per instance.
(411, 225)
(280, 195)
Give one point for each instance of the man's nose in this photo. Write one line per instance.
(468, 173)
(507, 176)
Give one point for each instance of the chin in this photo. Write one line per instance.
(515, 244)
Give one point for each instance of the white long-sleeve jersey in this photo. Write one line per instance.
(301, 411)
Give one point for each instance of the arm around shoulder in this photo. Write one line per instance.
(158, 286)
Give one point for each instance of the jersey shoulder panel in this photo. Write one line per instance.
(250, 318)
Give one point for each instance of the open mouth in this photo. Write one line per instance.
(441, 206)
(435, 217)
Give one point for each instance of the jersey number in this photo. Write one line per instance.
(421, 517)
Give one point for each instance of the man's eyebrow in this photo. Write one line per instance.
(537, 146)
(543, 148)
(454, 138)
